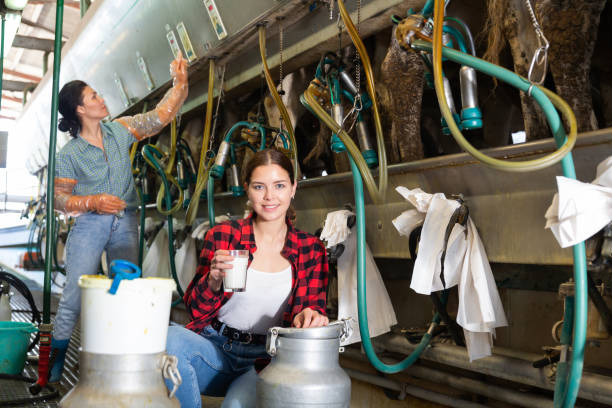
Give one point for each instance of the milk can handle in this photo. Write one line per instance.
(271, 341)
(170, 372)
(121, 269)
(347, 327)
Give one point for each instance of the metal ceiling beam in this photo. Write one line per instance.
(32, 78)
(72, 4)
(16, 86)
(11, 98)
(42, 27)
(11, 109)
(33, 43)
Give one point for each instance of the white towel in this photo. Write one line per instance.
(580, 209)
(336, 229)
(381, 315)
(465, 264)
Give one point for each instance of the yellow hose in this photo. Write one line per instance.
(192, 210)
(367, 67)
(505, 165)
(134, 147)
(278, 100)
(169, 176)
(170, 165)
(378, 196)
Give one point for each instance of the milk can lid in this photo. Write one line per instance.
(339, 329)
(334, 330)
(150, 283)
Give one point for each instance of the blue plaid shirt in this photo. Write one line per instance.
(98, 171)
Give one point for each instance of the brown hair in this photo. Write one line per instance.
(264, 158)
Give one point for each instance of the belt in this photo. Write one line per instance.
(237, 335)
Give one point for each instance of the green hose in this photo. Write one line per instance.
(148, 153)
(566, 339)
(57, 46)
(210, 200)
(456, 34)
(2, 55)
(467, 31)
(579, 324)
(142, 226)
(250, 125)
(539, 95)
(361, 291)
(569, 395)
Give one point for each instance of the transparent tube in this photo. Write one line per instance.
(170, 177)
(151, 155)
(277, 99)
(367, 67)
(568, 395)
(377, 194)
(201, 180)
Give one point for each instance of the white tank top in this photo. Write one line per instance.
(261, 305)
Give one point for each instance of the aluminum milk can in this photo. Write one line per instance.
(305, 371)
(122, 360)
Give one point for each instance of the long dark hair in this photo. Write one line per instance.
(266, 157)
(70, 97)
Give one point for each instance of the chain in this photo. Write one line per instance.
(262, 87)
(170, 372)
(280, 68)
(540, 57)
(339, 24)
(357, 59)
(216, 115)
(280, 52)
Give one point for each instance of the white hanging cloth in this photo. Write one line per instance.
(580, 209)
(381, 315)
(465, 264)
(156, 262)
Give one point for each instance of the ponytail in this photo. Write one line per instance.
(70, 97)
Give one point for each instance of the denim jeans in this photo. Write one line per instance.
(91, 234)
(210, 365)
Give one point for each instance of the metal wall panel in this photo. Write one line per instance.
(507, 208)
(113, 31)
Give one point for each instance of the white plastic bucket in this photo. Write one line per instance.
(132, 321)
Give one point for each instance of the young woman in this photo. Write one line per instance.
(93, 179)
(286, 285)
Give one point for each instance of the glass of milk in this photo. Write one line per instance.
(235, 278)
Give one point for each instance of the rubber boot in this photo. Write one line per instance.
(57, 358)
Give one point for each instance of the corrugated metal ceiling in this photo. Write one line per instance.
(26, 65)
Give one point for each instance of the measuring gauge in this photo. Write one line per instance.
(172, 41)
(121, 88)
(144, 70)
(184, 36)
(215, 19)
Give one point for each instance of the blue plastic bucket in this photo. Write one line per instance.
(14, 341)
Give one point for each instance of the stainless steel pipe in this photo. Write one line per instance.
(411, 390)
(507, 364)
(496, 392)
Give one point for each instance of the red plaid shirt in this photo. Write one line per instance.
(305, 252)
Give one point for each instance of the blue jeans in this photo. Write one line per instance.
(91, 234)
(210, 365)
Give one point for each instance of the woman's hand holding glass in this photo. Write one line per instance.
(218, 264)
